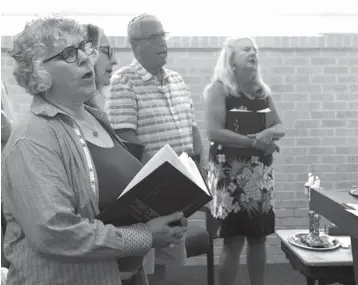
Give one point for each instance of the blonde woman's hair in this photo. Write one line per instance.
(224, 70)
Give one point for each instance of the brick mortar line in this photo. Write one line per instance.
(5, 48)
(320, 41)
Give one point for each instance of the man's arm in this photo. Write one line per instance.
(129, 135)
(121, 105)
(121, 108)
(197, 142)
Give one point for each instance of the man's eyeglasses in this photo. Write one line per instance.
(70, 54)
(108, 50)
(155, 38)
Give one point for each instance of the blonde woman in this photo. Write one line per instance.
(242, 185)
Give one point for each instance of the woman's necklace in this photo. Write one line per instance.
(94, 132)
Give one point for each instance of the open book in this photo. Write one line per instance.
(166, 184)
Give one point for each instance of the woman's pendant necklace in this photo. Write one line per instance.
(95, 133)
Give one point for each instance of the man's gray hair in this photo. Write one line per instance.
(131, 25)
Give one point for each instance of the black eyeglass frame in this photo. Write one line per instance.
(107, 50)
(81, 46)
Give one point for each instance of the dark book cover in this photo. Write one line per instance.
(245, 123)
(163, 192)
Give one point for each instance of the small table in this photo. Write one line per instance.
(325, 266)
(330, 204)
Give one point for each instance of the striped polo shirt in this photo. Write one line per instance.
(159, 112)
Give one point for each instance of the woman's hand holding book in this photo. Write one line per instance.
(165, 233)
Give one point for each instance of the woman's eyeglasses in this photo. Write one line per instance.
(107, 50)
(70, 54)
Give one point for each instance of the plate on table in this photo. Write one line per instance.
(354, 191)
(296, 241)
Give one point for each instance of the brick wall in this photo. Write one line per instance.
(315, 86)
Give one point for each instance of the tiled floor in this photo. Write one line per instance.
(277, 274)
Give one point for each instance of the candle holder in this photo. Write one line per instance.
(308, 184)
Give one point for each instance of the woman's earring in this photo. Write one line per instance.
(234, 67)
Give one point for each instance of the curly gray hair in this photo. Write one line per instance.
(30, 47)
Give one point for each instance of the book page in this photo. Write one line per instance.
(184, 157)
(240, 110)
(194, 171)
(351, 205)
(354, 212)
(267, 110)
(166, 153)
(179, 165)
(184, 164)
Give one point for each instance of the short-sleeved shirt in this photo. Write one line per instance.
(159, 112)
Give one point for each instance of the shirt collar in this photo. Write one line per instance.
(41, 107)
(145, 75)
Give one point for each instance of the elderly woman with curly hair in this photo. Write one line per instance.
(240, 167)
(63, 165)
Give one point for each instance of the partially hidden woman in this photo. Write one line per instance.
(241, 182)
(103, 68)
(104, 64)
(62, 165)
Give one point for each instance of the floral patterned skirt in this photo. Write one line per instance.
(242, 189)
